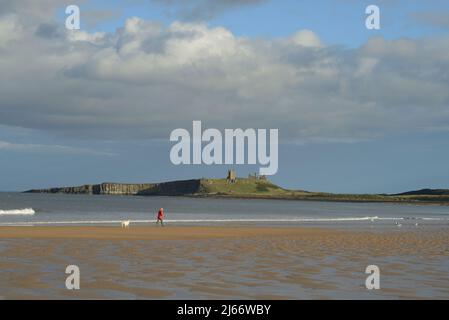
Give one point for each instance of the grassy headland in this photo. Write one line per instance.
(248, 188)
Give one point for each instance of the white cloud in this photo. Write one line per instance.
(306, 38)
(10, 29)
(146, 79)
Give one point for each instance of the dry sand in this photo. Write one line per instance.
(222, 262)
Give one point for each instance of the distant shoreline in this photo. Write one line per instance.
(247, 188)
(392, 201)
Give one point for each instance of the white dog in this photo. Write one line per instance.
(125, 224)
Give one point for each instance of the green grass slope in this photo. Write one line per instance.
(246, 188)
(255, 188)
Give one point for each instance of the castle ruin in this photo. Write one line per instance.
(232, 176)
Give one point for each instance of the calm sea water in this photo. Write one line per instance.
(60, 209)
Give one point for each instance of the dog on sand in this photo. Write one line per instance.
(125, 224)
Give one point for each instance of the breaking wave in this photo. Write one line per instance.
(26, 211)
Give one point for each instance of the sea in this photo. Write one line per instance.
(28, 209)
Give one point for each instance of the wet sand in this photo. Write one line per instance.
(222, 263)
(149, 233)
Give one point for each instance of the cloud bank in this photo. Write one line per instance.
(145, 79)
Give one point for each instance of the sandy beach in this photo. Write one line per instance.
(222, 263)
(149, 233)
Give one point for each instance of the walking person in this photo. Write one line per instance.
(160, 217)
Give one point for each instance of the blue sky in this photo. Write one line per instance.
(362, 112)
(338, 22)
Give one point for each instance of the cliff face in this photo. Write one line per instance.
(120, 188)
(174, 188)
(166, 188)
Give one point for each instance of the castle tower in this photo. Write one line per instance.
(232, 176)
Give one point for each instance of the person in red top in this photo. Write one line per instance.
(160, 216)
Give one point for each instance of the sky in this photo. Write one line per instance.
(358, 110)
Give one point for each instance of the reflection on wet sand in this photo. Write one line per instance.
(222, 263)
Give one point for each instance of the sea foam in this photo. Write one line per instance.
(26, 211)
